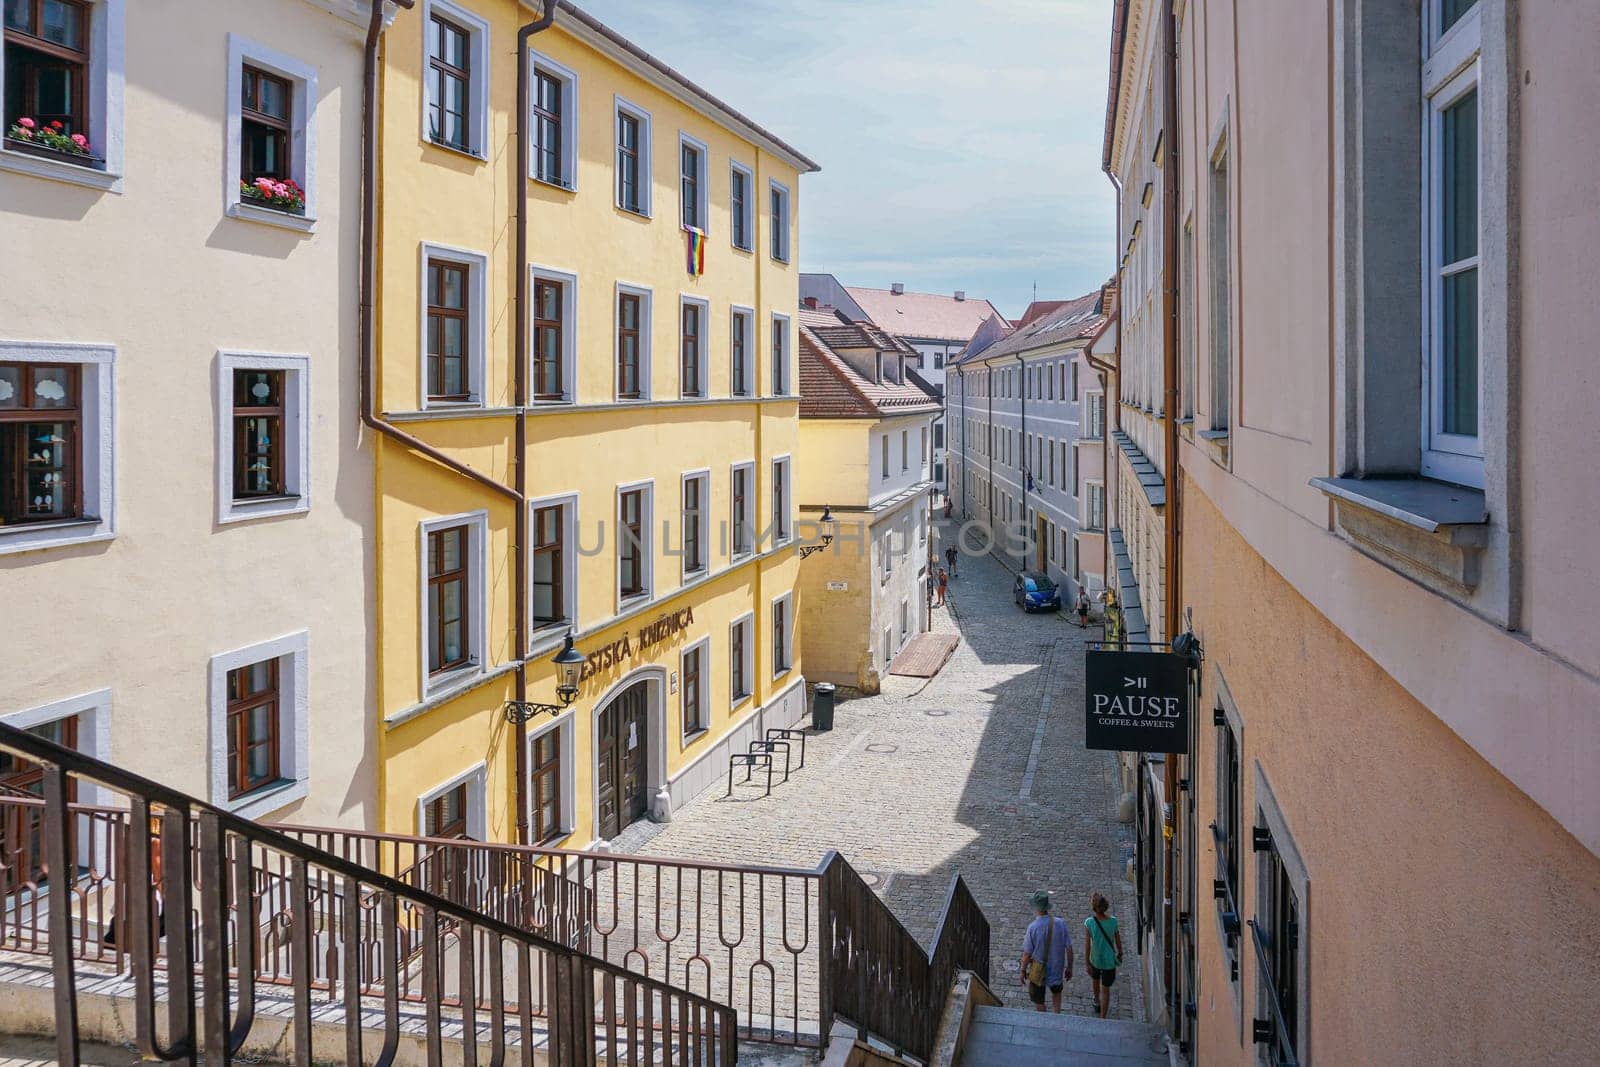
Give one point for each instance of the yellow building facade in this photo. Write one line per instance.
(659, 422)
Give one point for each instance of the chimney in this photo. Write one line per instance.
(810, 302)
(897, 288)
(961, 294)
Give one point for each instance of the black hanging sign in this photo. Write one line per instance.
(1137, 701)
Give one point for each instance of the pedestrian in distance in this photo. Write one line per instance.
(1083, 609)
(1105, 951)
(1046, 954)
(950, 555)
(944, 587)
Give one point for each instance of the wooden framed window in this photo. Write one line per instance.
(739, 205)
(694, 712)
(258, 425)
(549, 565)
(547, 126)
(691, 175)
(449, 644)
(780, 636)
(548, 307)
(780, 223)
(447, 331)
(544, 772)
(446, 814)
(741, 510)
(252, 727)
(264, 131)
(630, 543)
(629, 316)
(780, 500)
(628, 195)
(694, 504)
(693, 334)
(780, 355)
(47, 64)
(739, 350)
(739, 680)
(41, 463)
(450, 82)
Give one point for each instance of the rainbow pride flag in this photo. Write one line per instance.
(696, 244)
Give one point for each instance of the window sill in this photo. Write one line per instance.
(552, 402)
(691, 738)
(284, 220)
(1219, 443)
(1427, 530)
(740, 700)
(442, 406)
(456, 150)
(638, 214)
(33, 536)
(741, 248)
(629, 600)
(261, 507)
(564, 186)
(268, 798)
(781, 671)
(60, 171)
(445, 683)
(695, 577)
(548, 635)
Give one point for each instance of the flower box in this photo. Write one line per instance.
(77, 159)
(270, 205)
(285, 197)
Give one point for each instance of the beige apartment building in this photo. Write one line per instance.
(185, 572)
(1385, 833)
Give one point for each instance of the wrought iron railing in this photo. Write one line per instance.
(263, 908)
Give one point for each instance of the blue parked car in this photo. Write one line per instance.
(1036, 592)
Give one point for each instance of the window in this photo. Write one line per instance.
(1221, 290)
(1076, 474)
(634, 185)
(55, 415)
(1226, 832)
(740, 206)
(693, 690)
(883, 456)
(922, 451)
(692, 182)
(1277, 927)
(252, 727)
(449, 593)
(1074, 382)
(554, 124)
(1051, 467)
(905, 450)
(780, 355)
(938, 435)
(743, 523)
(1453, 450)
(455, 101)
(886, 554)
(780, 500)
(633, 542)
(696, 522)
(629, 317)
(742, 328)
(264, 132)
(692, 356)
(780, 222)
(265, 434)
(1097, 414)
(1097, 506)
(741, 660)
(548, 304)
(546, 787)
(782, 634)
(454, 810)
(452, 326)
(905, 620)
(1186, 327)
(550, 565)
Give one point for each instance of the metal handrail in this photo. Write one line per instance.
(688, 1024)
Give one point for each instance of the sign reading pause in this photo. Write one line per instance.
(1137, 701)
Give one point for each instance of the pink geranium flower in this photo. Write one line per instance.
(80, 140)
(26, 124)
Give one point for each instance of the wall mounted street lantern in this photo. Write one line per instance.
(827, 534)
(569, 662)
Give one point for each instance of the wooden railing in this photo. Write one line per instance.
(362, 940)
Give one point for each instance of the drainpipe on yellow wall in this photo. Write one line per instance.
(794, 610)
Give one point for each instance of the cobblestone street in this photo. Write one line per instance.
(979, 771)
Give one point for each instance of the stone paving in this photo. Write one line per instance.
(980, 770)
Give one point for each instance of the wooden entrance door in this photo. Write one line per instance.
(22, 828)
(1041, 545)
(621, 759)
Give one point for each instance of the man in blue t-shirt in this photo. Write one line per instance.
(1048, 941)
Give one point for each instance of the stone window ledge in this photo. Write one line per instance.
(1428, 530)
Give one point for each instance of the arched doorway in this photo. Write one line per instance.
(630, 758)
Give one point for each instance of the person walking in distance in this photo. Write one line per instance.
(1105, 951)
(1083, 609)
(950, 559)
(944, 587)
(1046, 954)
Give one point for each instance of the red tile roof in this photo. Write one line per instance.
(1076, 318)
(1038, 309)
(832, 389)
(929, 315)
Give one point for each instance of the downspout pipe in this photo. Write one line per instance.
(519, 377)
(1113, 402)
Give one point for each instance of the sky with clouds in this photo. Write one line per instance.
(959, 139)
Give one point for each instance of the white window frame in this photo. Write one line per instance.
(548, 633)
(787, 600)
(93, 712)
(703, 200)
(1451, 69)
(296, 436)
(747, 622)
(905, 621)
(685, 575)
(476, 779)
(569, 332)
(647, 518)
(477, 324)
(302, 78)
(703, 646)
(294, 736)
(566, 728)
(781, 329)
(781, 251)
(703, 363)
(569, 122)
(646, 297)
(107, 77)
(749, 218)
(783, 524)
(477, 29)
(752, 354)
(477, 523)
(749, 468)
(621, 106)
(886, 557)
(97, 449)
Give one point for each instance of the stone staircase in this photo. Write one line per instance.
(1014, 1037)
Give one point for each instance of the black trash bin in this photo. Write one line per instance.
(822, 707)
